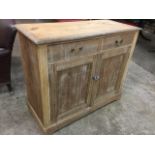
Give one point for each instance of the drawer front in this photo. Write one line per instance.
(67, 51)
(116, 40)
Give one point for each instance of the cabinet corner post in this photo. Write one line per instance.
(44, 82)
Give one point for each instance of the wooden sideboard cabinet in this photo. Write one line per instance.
(71, 69)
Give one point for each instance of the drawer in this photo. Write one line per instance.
(116, 40)
(67, 51)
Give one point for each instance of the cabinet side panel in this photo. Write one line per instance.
(129, 57)
(31, 71)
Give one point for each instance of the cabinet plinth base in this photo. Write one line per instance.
(64, 122)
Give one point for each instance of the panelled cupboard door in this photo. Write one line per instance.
(108, 77)
(71, 85)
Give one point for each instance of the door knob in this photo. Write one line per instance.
(72, 50)
(96, 77)
(118, 43)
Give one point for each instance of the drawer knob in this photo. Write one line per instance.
(96, 77)
(118, 43)
(72, 50)
(81, 48)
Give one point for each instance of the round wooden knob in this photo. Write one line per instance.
(96, 77)
(117, 43)
(72, 50)
(81, 48)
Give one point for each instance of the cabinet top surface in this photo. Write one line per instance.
(43, 33)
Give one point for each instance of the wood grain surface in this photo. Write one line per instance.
(44, 33)
(72, 72)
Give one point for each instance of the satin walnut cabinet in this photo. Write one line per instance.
(71, 69)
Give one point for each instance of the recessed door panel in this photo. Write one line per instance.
(112, 64)
(72, 86)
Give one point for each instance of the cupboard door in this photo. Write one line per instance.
(70, 86)
(109, 74)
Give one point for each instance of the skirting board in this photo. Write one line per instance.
(64, 122)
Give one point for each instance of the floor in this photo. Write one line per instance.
(133, 114)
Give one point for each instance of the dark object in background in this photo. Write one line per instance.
(147, 25)
(147, 32)
(7, 37)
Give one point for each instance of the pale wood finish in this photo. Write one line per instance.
(116, 40)
(44, 82)
(32, 79)
(56, 32)
(69, 75)
(130, 56)
(77, 49)
(111, 65)
(72, 83)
